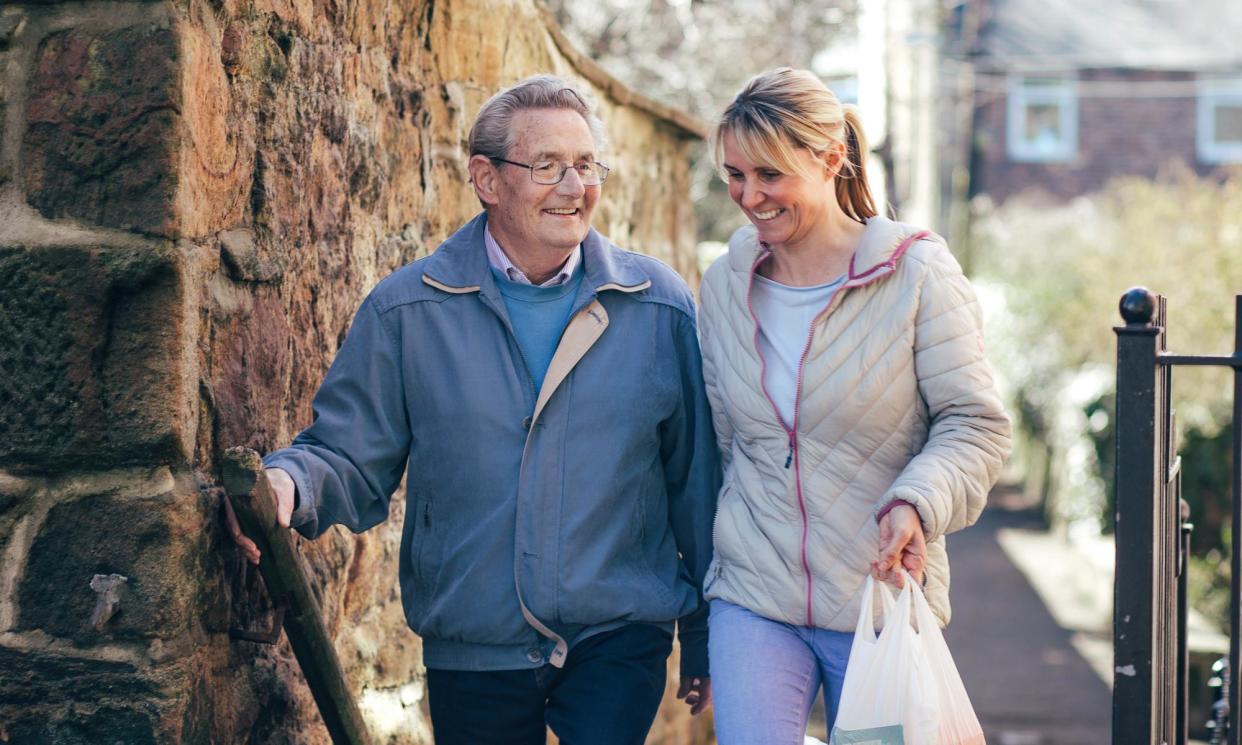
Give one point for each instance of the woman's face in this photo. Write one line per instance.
(784, 207)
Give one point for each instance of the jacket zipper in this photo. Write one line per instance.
(852, 280)
(791, 431)
(557, 658)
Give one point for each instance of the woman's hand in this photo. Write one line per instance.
(902, 545)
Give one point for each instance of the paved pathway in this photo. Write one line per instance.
(1028, 683)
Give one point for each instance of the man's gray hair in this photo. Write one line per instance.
(492, 133)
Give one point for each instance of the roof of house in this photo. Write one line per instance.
(1198, 35)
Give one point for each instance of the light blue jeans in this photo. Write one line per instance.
(765, 675)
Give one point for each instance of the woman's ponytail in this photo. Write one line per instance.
(853, 192)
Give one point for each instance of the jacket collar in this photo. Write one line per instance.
(882, 245)
(459, 265)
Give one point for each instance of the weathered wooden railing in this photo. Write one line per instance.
(292, 596)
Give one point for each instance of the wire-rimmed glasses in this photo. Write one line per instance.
(552, 172)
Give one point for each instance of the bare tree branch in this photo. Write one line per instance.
(695, 54)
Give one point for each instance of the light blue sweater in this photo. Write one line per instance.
(539, 316)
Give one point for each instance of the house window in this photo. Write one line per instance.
(1219, 130)
(1042, 118)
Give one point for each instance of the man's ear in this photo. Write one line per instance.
(484, 177)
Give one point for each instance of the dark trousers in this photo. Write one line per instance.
(606, 694)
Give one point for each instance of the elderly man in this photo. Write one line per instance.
(544, 387)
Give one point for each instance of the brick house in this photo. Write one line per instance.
(1067, 95)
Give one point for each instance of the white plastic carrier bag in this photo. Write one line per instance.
(958, 723)
(902, 688)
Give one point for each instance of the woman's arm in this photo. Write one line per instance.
(707, 344)
(968, 441)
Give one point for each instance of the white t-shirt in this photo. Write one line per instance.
(785, 314)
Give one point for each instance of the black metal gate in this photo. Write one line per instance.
(1149, 595)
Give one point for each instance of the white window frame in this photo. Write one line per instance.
(1213, 93)
(1064, 95)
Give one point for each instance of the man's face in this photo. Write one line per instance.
(530, 217)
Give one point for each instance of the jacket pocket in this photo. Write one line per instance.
(629, 572)
(424, 533)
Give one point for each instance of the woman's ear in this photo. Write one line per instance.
(483, 177)
(834, 159)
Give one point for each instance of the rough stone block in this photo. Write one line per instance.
(12, 21)
(250, 348)
(13, 507)
(91, 369)
(72, 726)
(217, 157)
(66, 701)
(102, 138)
(245, 259)
(153, 542)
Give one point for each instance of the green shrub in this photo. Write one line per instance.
(1052, 276)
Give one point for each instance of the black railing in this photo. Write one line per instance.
(1149, 596)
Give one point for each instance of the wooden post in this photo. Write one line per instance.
(280, 565)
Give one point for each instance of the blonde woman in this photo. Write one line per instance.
(853, 406)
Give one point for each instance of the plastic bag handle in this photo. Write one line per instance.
(922, 609)
(866, 617)
(899, 615)
(865, 629)
(887, 599)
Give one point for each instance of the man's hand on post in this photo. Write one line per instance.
(284, 489)
(697, 692)
(902, 545)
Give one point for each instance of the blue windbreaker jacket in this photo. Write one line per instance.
(534, 518)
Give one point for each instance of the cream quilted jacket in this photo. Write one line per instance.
(895, 401)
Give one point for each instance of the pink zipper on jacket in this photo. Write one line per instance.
(792, 430)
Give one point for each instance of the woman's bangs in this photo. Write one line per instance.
(768, 149)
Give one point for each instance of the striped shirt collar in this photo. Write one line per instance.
(499, 261)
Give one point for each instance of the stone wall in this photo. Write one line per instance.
(194, 198)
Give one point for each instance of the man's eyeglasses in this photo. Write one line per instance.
(551, 172)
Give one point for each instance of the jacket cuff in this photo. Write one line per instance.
(304, 518)
(890, 505)
(692, 636)
(920, 506)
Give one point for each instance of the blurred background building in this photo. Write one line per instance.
(1063, 100)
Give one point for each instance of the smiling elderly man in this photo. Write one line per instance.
(544, 387)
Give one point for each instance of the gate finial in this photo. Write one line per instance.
(1138, 306)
